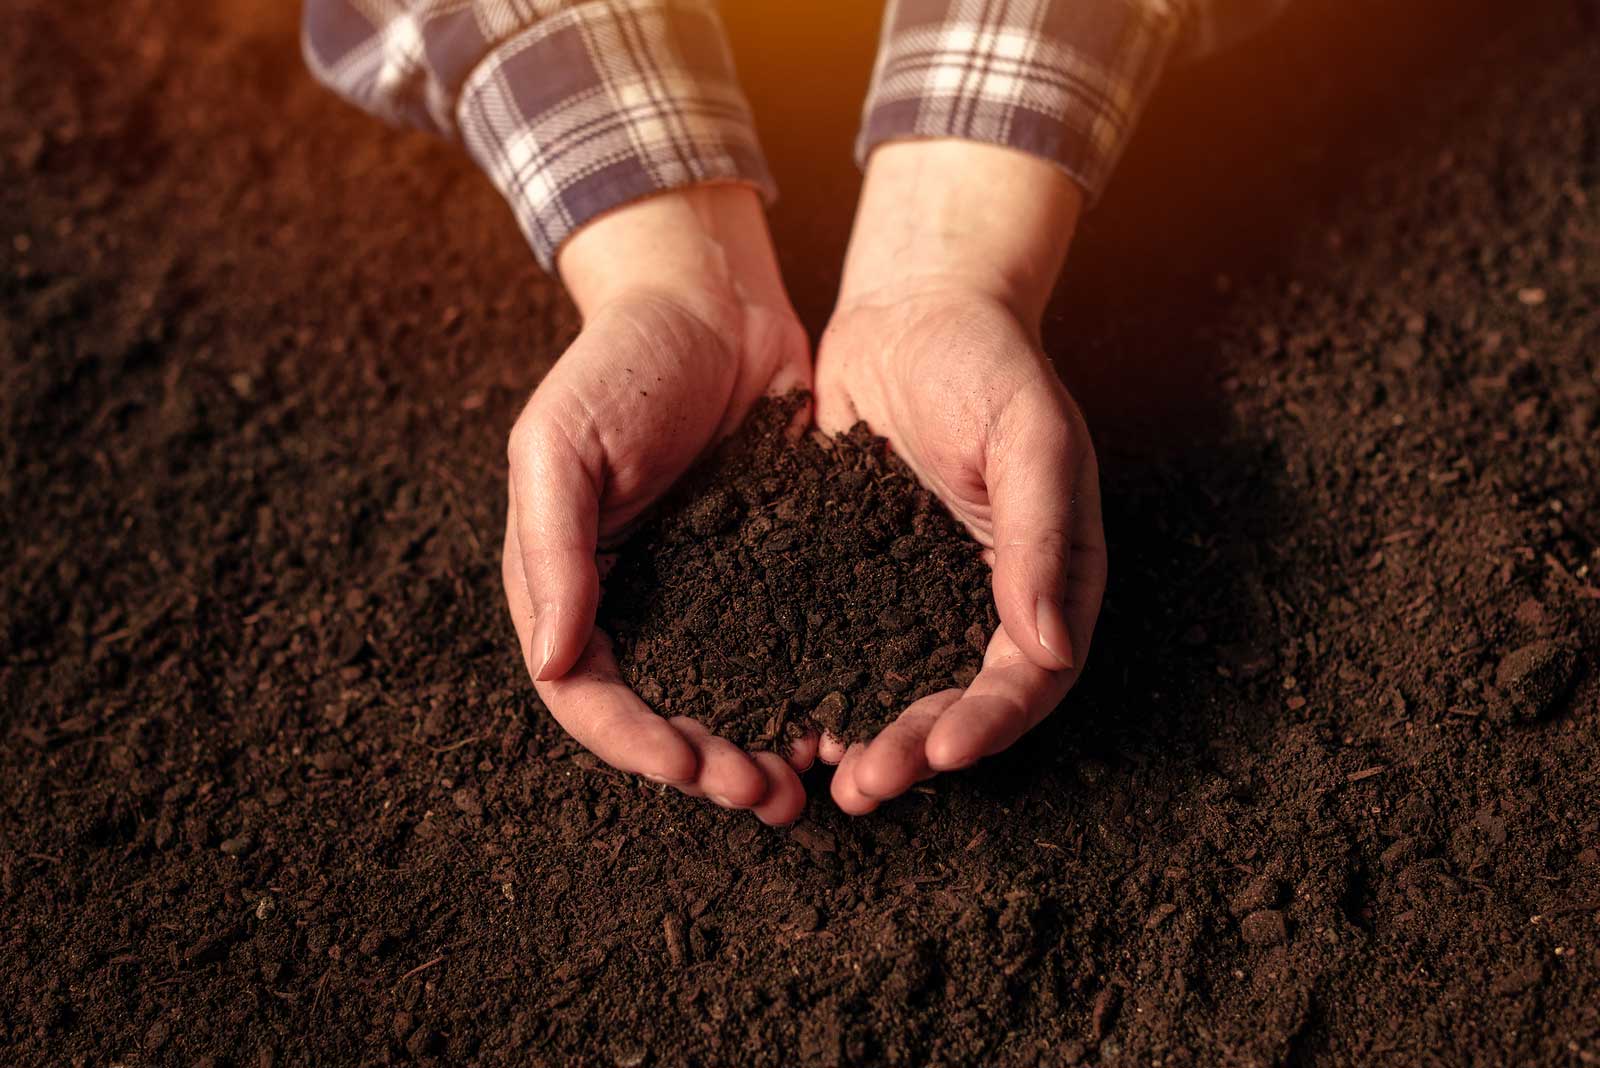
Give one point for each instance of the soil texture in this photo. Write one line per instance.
(794, 584)
(275, 790)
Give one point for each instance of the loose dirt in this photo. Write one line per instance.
(798, 584)
(274, 789)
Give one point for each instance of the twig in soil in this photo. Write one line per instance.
(321, 983)
(1104, 1012)
(417, 969)
(1564, 910)
(453, 746)
(1365, 773)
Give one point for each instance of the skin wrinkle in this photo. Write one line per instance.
(955, 448)
(616, 485)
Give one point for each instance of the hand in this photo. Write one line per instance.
(686, 325)
(935, 344)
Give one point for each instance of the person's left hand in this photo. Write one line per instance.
(967, 400)
(942, 358)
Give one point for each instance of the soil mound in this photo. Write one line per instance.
(793, 584)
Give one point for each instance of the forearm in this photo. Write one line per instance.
(573, 108)
(705, 246)
(1061, 80)
(941, 214)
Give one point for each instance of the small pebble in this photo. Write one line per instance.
(238, 845)
(1259, 893)
(1264, 927)
(831, 707)
(628, 1053)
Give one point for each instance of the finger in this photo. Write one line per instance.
(794, 368)
(728, 775)
(897, 758)
(786, 797)
(846, 794)
(830, 750)
(836, 413)
(1086, 579)
(555, 499)
(1039, 475)
(605, 717)
(781, 365)
(803, 751)
(1010, 695)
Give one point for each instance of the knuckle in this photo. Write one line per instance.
(1042, 549)
(1050, 547)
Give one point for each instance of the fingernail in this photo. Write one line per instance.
(1053, 632)
(723, 801)
(544, 639)
(667, 780)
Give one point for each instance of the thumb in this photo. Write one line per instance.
(555, 503)
(1031, 475)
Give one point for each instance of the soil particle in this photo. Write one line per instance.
(1103, 1014)
(1535, 677)
(672, 928)
(1264, 927)
(628, 1053)
(813, 838)
(1261, 892)
(238, 845)
(778, 591)
(467, 802)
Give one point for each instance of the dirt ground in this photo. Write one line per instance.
(273, 787)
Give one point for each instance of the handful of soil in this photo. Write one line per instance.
(791, 585)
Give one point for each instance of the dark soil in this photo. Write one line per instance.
(794, 585)
(274, 789)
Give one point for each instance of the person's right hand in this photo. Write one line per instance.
(686, 325)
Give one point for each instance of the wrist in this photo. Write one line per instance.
(947, 215)
(704, 247)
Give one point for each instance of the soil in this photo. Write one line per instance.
(798, 584)
(274, 789)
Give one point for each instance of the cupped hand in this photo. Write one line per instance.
(685, 326)
(935, 344)
(965, 397)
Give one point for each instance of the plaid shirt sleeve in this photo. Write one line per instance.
(1061, 79)
(572, 107)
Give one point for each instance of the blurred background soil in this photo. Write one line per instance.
(274, 789)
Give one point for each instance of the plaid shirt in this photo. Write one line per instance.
(573, 107)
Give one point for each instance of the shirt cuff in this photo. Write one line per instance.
(605, 102)
(1061, 80)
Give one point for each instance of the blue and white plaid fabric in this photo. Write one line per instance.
(574, 107)
(571, 108)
